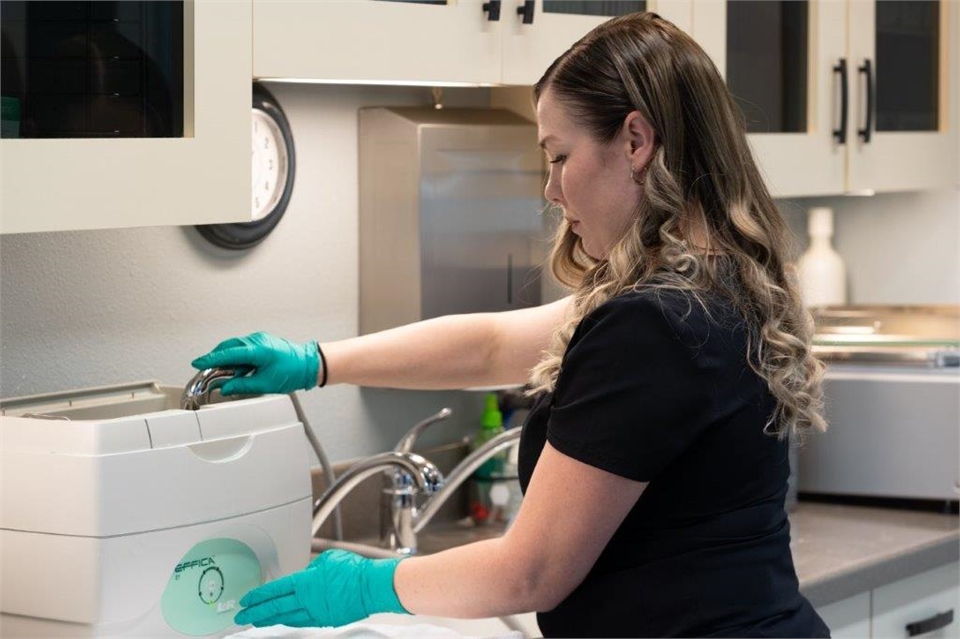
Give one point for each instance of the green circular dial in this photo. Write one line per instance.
(211, 585)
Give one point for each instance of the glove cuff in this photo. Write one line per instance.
(378, 591)
(311, 364)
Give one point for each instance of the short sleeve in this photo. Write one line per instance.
(635, 387)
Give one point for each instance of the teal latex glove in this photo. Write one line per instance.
(280, 366)
(337, 588)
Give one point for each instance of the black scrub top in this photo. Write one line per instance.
(656, 388)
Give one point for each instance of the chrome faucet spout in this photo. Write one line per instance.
(197, 391)
(425, 475)
(461, 473)
(405, 445)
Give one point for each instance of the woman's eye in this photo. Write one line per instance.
(558, 160)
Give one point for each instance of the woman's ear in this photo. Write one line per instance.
(640, 139)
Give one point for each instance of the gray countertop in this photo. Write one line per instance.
(840, 551)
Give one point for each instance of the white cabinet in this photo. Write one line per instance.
(201, 176)
(369, 41)
(848, 617)
(911, 50)
(924, 605)
(805, 73)
(430, 42)
(529, 48)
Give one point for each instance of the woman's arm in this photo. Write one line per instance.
(568, 515)
(456, 351)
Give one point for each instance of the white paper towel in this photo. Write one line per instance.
(362, 630)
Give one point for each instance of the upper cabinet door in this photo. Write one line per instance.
(536, 32)
(370, 41)
(783, 61)
(121, 114)
(903, 56)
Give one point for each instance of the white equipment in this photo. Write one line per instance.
(122, 515)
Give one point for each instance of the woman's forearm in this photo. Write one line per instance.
(455, 351)
(446, 352)
(475, 581)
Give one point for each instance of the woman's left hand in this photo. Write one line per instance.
(279, 365)
(337, 588)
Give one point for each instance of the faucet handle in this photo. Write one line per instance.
(197, 391)
(405, 445)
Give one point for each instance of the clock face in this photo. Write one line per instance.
(273, 166)
(270, 165)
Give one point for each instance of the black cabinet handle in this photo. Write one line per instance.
(526, 11)
(841, 133)
(867, 69)
(492, 8)
(935, 622)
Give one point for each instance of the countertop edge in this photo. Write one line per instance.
(871, 575)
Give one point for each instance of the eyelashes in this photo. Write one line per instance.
(558, 160)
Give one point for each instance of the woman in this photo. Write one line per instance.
(654, 462)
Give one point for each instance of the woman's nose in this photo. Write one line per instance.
(552, 192)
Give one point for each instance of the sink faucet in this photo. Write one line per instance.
(461, 473)
(400, 520)
(398, 505)
(423, 475)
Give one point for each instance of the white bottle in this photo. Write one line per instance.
(823, 277)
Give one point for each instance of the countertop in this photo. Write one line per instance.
(839, 551)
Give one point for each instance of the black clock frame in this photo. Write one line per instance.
(244, 235)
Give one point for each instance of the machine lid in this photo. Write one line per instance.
(901, 335)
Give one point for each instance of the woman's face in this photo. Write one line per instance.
(592, 181)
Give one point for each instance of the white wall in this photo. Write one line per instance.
(81, 309)
(899, 248)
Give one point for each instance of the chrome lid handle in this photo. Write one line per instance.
(198, 389)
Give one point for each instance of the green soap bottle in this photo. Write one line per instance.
(491, 425)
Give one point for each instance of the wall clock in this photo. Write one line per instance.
(273, 167)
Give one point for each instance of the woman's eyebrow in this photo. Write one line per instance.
(543, 142)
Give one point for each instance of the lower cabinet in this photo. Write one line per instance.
(848, 617)
(925, 605)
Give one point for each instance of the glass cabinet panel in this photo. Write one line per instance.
(92, 69)
(766, 52)
(594, 7)
(908, 69)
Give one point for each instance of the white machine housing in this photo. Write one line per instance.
(103, 492)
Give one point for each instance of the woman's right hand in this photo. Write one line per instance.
(279, 365)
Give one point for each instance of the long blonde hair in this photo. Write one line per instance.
(702, 175)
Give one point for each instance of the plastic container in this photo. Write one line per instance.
(823, 276)
(494, 488)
